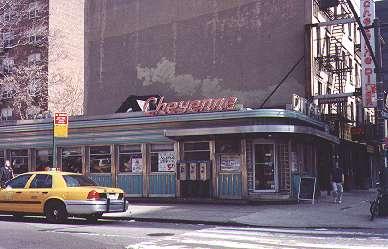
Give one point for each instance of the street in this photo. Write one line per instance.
(35, 233)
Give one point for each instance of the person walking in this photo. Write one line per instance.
(6, 173)
(337, 179)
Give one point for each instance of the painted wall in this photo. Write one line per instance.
(184, 49)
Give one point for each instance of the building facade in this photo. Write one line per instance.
(241, 154)
(335, 65)
(254, 50)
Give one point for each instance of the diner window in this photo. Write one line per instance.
(19, 160)
(100, 159)
(130, 159)
(2, 160)
(44, 158)
(228, 151)
(72, 159)
(33, 10)
(196, 151)
(162, 158)
(228, 146)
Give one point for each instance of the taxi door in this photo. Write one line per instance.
(12, 197)
(39, 190)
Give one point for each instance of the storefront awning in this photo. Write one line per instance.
(292, 129)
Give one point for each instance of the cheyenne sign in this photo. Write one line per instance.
(190, 106)
(368, 76)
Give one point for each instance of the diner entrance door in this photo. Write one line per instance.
(265, 168)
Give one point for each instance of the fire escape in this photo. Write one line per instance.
(335, 62)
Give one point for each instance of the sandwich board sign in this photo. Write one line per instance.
(307, 189)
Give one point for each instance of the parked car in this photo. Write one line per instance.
(58, 195)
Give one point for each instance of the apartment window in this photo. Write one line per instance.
(357, 75)
(6, 113)
(351, 71)
(33, 87)
(319, 88)
(327, 43)
(33, 39)
(318, 41)
(350, 31)
(8, 64)
(33, 11)
(7, 17)
(8, 38)
(34, 58)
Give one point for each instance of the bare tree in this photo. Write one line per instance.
(25, 82)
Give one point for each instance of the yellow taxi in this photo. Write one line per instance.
(58, 195)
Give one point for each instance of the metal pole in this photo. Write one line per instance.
(380, 123)
(54, 146)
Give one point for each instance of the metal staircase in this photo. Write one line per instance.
(335, 62)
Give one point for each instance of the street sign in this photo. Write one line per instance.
(333, 98)
(61, 123)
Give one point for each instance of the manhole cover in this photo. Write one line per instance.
(160, 234)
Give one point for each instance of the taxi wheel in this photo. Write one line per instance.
(55, 212)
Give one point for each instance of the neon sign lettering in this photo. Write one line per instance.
(190, 106)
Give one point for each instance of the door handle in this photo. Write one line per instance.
(18, 192)
(44, 192)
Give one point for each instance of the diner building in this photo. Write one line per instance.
(225, 154)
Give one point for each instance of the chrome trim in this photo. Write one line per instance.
(99, 206)
(252, 129)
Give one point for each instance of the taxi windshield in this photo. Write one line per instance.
(78, 181)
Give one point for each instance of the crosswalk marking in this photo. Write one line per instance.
(252, 238)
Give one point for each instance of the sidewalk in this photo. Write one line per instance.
(352, 213)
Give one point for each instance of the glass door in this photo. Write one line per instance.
(264, 167)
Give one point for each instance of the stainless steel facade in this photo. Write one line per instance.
(291, 144)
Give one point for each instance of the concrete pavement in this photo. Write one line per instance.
(352, 213)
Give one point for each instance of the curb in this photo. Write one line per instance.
(231, 223)
(182, 221)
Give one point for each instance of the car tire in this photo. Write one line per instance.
(93, 218)
(55, 212)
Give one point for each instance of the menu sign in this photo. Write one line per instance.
(230, 162)
(166, 161)
(137, 164)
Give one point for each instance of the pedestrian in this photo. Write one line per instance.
(6, 173)
(337, 179)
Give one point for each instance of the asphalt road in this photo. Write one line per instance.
(35, 233)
